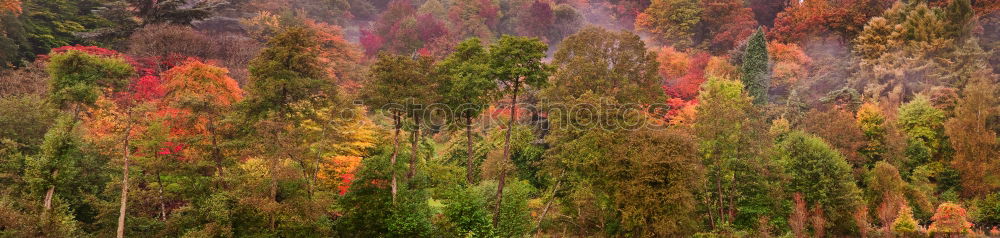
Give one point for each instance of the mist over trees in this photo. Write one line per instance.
(499, 118)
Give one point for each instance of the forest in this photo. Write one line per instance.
(499, 118)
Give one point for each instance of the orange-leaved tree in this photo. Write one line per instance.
(197, 94)
(10, 5)
(950, 218)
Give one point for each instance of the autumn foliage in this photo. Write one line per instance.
(791, 65)
(950, 218)
(728, 21)
(197, 93)
(805, 19)
(499, 118)
(200, 82)
(10, 5)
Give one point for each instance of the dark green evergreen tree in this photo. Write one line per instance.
(755, 71)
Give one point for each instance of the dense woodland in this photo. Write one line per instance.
(499, 118)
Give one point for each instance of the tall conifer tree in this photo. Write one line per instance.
(755, 71)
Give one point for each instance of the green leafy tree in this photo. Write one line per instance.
(821, 174)
(401, 86)
(79, 78)
(14, 45)
(641, 176)
(987, 212)
(616, 64)
(742, 183)
(755, 71)
(288, 93)
(287, 71)
(467, 90)
(51, 24)
(515, 62)
(872, 123)
(24, 121)
(466, 209)
(886, 193)
(515, 213)
(886, 183)
(368, 209)
(923, 125)
(423, 91)
(58, 163)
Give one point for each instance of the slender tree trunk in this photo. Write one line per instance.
(305, 174)
(722, 205)
(217, 156)
(414, 156)
(548, 204)
(272, 169)
(50, 192)
(468, 144)
(124, 200)
(52, 188)
(159, 196)
(711, 218)
(506, 157)
(395, 152)
(47, 201)
(48, 197)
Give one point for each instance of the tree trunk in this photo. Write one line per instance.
(395, 152)
(305, 174)
(159, 196)
(414, 156)
(52, 188)
(124, 200)
(468, 144)
(216, 154)
(548, 204)
(506, 157)
(50, 192)
(722, 205)
(711, 218)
